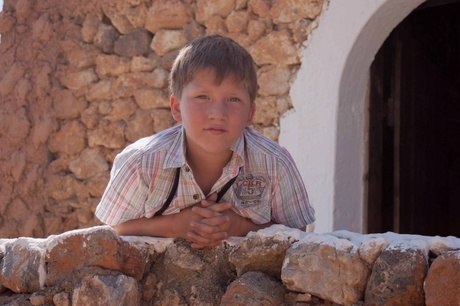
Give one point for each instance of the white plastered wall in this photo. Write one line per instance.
(326, 132)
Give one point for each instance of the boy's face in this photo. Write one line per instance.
(214, 115)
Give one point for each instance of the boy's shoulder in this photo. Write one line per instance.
(161, 141)
(259, 143)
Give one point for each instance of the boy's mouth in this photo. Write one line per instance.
(216, 130)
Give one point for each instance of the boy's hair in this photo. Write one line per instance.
(221, 54)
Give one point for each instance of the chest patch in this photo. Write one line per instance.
(249, 188)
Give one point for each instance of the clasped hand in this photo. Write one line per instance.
(208, 223)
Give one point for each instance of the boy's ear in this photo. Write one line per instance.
(174, 104)
(252, 111)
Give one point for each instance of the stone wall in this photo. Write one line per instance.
(80, 80)
(274, 266)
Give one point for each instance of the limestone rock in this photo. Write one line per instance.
(109, 135)
(70, 139)
(291, 10)
(260, 7)
(111, 65)
(168, 40)
(397, 276)
(264, 250)
(274, 81)
(68, 253)
(107, 290)
(442, 284)
(66, 106)
(89, 164)
(205, 9)
(140, 125)
(134, 43)
(148, 99)
(253, 289)
(77, 79)
(105, 38)
(275, 48)
(161, 16)
(23, 268)
(327, 267)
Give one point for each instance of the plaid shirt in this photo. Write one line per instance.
(268, 186)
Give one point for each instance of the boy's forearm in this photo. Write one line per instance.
(160, 226)
(247, 225)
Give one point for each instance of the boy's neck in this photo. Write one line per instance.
(207, 168)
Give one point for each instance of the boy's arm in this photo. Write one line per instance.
(171, 226)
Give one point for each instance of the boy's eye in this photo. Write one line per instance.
(202, 97)
(234, 99)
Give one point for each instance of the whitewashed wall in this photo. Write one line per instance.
(327, 131)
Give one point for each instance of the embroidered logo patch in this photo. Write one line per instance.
(249, 188)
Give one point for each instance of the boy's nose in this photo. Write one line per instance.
(218, 109)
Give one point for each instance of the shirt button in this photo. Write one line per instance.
(196, 196)
(187, 169)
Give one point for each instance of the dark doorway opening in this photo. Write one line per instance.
(414, 125)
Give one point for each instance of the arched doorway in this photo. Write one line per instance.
(327, 130)
(414, 138)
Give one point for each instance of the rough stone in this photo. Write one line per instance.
(111, 65)
(274, 81)
(161, 16)
(89, 164)
(151, 98)
(397, 276)
(168, 40)
(327, 267)
(134, 43)
(121, 109)
(292, 10)
(67, 253)
(252, 289)
(10, 78)
(66, 106)
(260, 7)
(108, 135)
(77, 79)
(275, 48)
(22, 268)
(105, 38)
(237, 21)
(107, 290)
(263, 253)
(140, 125)
(221, 8)
(442, 284)
(70, 139)
(90, 28)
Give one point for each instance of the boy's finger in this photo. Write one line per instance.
(209, 200)
(208, 212)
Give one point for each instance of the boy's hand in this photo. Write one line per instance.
(218, 222)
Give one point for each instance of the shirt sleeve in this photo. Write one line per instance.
(291, 205)
(126, 192)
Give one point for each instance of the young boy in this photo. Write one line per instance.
(212, 176)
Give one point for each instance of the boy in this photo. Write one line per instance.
(212, 176)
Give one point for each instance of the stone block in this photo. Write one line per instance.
(133, 43)
(68, 253)
(327, 267)
(398, 275)
(23, 267)
(254, 289)
(442, 284)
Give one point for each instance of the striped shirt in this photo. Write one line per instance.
(268, 186)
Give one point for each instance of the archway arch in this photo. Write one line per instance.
(326, 131)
